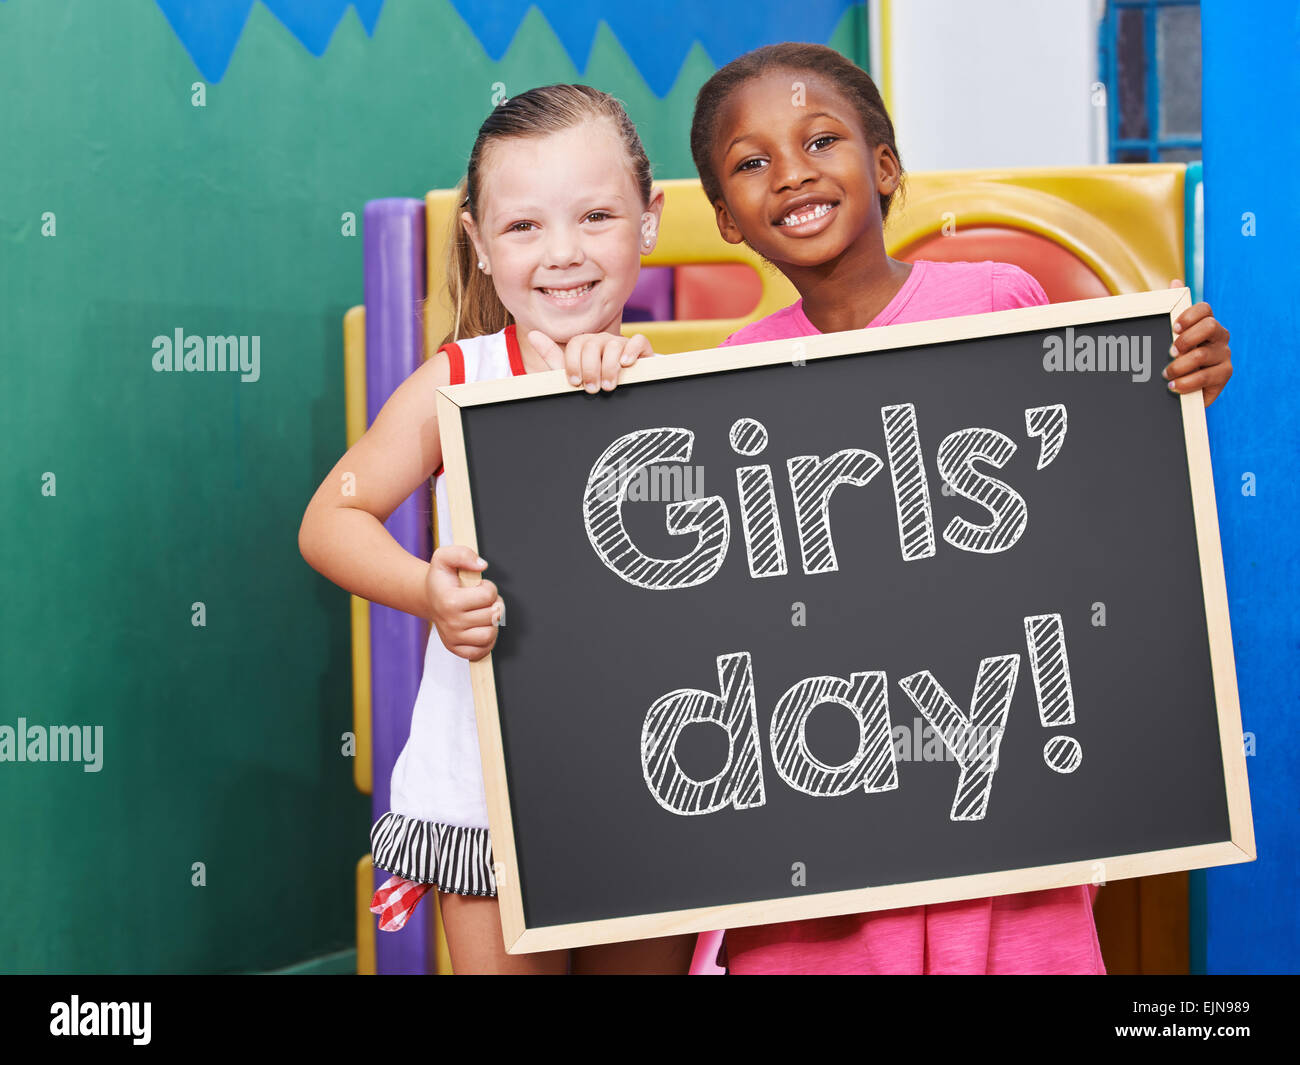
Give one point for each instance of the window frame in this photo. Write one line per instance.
(1108, 53)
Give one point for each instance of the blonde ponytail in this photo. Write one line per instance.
(477, 310)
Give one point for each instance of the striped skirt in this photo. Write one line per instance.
(452, 858)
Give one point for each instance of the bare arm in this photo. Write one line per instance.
(342, 534)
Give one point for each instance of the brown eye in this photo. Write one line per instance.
(825, 139)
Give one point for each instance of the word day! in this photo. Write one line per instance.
(812, 481)
(973, 736)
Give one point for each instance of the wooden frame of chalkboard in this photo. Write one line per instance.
(1238, 844)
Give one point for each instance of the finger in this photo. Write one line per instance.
(1211, 391)
(457, 556)
(547, 348)
(1176, 283)
(591, 349)
(479, 617)
(573, 359)
(637, 348)
(1214, 376)
(486, 650)
(499, 612)
(1185, 364)
(610, 362)
(482, 636)
(1192, 315)
(1203, 332)
(451, 561)
(472, 597)
(471, 654)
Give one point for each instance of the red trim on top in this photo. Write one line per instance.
(457, 359)
(512, 349)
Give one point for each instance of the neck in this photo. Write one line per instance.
(850, 290)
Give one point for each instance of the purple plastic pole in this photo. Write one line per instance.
(652, 299)
(395, 283)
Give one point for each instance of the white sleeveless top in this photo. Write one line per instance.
(438, 776)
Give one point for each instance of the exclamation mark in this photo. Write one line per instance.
(1045, 634)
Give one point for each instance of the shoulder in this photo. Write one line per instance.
(780, 325)
(435, 370)
(976, 287)
(1014, 287)
(477, 358)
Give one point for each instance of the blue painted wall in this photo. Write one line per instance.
(656, 37)
(1251, 64)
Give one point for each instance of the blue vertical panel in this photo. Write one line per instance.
(1194, 278)
(1251, 65)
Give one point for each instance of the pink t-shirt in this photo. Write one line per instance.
(1037, 932)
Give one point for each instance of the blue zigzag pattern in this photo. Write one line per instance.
(655, 36)
(210, 29)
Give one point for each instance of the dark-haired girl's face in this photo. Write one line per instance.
(800, 182)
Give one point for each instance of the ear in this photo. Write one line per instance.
(650, 220)
(727, 228)
(889, 171)
(476, 238)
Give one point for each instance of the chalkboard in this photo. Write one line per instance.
(966, 634)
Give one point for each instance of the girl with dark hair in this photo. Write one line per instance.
(797, 155)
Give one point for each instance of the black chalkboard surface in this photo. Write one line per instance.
(859, 621)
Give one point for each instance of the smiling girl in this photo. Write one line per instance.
(796, 152)
(557, 212)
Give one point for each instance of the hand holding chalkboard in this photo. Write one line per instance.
(592, 360)
(465, 618)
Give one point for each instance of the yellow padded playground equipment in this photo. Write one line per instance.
(354, 393)
(1124, 222)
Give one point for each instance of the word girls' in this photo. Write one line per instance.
(812, 481)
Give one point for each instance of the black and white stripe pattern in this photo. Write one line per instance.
(454, 859)
(812, 480)
(911, 490)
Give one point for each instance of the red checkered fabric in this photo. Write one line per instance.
(395, 901)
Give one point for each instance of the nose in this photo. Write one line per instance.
(791, 170)
(563, 248)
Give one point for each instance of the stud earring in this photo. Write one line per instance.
(481, 264)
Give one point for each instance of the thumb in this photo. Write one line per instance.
(455, 557)
(1176, 283)
(550, 352)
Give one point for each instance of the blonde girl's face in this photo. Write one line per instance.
(562, 228)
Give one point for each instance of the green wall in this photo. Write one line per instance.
(222, 743)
